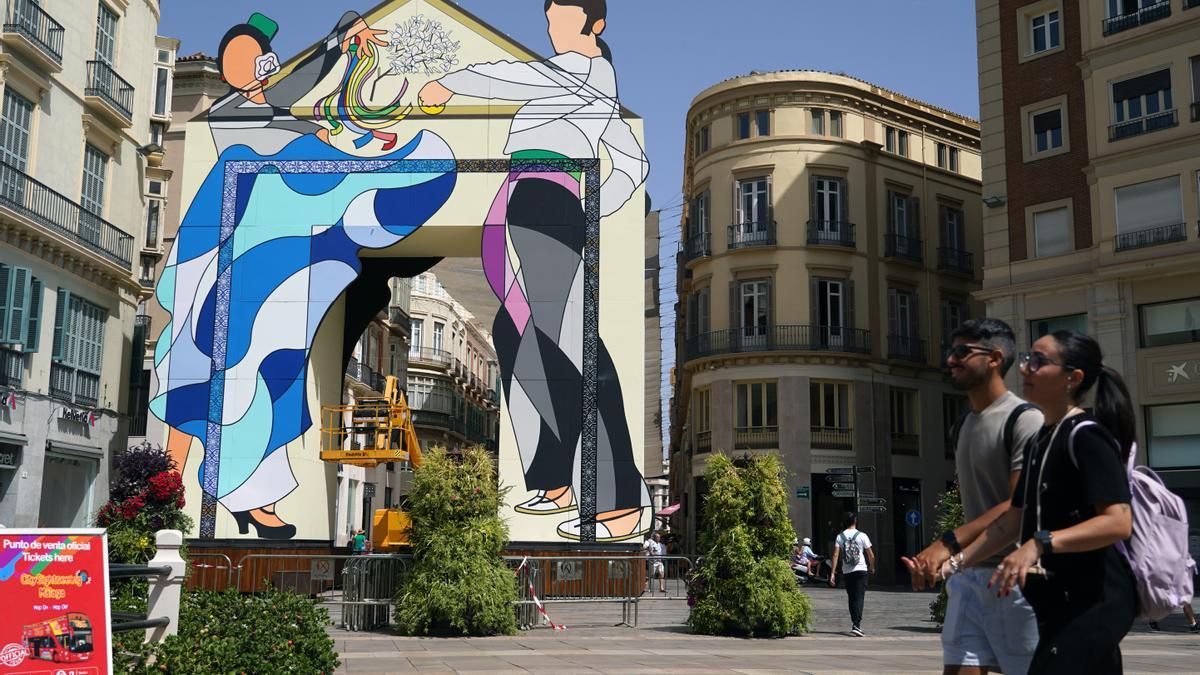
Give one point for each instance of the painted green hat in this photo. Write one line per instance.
(264, 24)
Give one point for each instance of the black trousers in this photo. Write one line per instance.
(1081, 628)
(856, 594)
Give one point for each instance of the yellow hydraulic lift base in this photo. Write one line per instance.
(385, 426)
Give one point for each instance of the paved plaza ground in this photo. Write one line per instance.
(900, 639)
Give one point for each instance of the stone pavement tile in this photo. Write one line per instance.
(392, 664)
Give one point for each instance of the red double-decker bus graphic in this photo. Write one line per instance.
(66, 639)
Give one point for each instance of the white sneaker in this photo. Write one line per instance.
(541, 505)
(856, 632)
(570, 530)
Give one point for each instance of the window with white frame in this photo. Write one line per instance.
(828, 194)
(757, 406)
(1149, 205)
(817, 123)
(829, 410)
(106, 34)
(1047, 128)
(754, 205)
(439, 333)
(902, 313)
(1051, 232)
(415, 329)
(831, 304)
(1045, 32)
(947, 157)
(755, 307)
(896, 141)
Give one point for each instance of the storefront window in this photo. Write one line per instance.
(67, 482)
(1041, 327)
(1170, 323)
(1173, 433)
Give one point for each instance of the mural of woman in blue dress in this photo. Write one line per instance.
(258, 263)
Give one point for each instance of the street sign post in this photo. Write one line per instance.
(872, 509)
(843, 486)
(871, 501)
(867, 493)
(845, 469)
(843, 493)
(864, 469)
(839, 477)
(803, 492)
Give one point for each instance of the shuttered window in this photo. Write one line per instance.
(106, 35)
(17, 124)
(79, 332)
(20, 307)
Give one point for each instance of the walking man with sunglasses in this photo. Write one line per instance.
(983, 633)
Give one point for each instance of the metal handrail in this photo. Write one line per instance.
(750, 233)
(104, 82)
(45, 206)
(429, 355)
(780, 338)
(832, 438)
(1151, 236)
(906, 348)
(29, 19)
(821, 233)
(1145, 15)
(698, 246)
(123, 571)
(1142, 125)
(956, 260)
(901, 246)
(756, 438)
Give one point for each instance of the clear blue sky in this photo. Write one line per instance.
(667, 51)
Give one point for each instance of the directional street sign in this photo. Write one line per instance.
(803, 492)
(872, 509)
(867, 493)
(864, 469)
(840, 493)
(843, 486)
(871, 501)
(838, 477)
(847, 469)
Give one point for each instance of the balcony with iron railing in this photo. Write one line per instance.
(1151, 236)
(906, 444)
(1143, 125)
(901, 247)
(365, 375)
(12, 368)
(109, 93)
(832, 438)
(780, 338)
(830, 233)
(427, 356)
(40, 205)
(956, 260)
(756, 438)
(698, 246)
(30, 28)
(398, 317)
(751, 235)
(906, 348)
(73, 385)
(703, 441)
(1145, 15)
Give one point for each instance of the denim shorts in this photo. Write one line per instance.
(985, 631)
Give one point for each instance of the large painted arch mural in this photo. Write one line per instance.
(410, 131)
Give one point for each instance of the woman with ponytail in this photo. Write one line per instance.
(1071, 507)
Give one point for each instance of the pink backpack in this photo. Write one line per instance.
(1158, 550)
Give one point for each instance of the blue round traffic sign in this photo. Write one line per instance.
(913, 518)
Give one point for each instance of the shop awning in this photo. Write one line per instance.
(667, 511)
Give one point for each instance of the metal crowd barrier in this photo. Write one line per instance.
(210, 571)
(369, 585)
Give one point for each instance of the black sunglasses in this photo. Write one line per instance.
(960, 352)
(1034, 361)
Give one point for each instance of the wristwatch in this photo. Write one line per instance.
(951, 541)
(1046, 540)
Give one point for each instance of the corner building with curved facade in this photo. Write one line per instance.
(831, 242)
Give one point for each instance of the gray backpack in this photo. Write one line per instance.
(851, 551)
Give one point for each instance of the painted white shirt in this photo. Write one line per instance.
(571, 108)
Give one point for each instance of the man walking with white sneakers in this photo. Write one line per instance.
(857, 558)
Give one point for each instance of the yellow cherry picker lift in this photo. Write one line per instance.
(385, 427)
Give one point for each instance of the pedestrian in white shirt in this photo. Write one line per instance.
(857, 558)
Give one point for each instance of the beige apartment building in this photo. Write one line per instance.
(655, 468)
(830, 244)
(1090, 115)
(83, 96)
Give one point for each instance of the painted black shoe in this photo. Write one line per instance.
(244, 520)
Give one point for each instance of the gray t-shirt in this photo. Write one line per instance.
(984, 464)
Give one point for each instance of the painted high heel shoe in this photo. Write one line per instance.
(245, 519)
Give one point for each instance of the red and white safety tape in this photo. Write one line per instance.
(536, 601)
